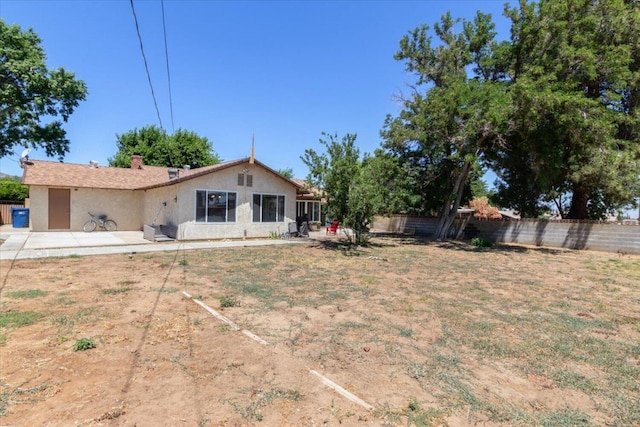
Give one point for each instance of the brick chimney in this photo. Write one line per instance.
(136, 161)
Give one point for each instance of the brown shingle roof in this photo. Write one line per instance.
(55, 174)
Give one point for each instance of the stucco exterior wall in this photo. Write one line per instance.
(175, 205)
(124, 207)
(38, 208)
(181, 205)
(160, 206)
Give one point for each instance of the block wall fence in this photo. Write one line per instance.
(620, 237)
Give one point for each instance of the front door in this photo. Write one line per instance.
(59, 209)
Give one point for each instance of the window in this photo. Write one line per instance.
(312, 209)
(268, 208)
(215, 206)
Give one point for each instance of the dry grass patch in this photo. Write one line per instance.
(427, 333)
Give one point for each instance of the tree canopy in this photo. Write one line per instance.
(574, 137)
(12, 189)
(554, 111)
(158, 148)
(287, 172)
(457, 110)
(34, 101)
(356, 189)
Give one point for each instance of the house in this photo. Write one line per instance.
(236, 199)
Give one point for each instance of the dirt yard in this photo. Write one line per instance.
(420, 333)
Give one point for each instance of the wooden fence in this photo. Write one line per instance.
(5, 210)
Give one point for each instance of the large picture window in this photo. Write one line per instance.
(268, 208)
(215, 206)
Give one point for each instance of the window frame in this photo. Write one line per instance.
(229, 211)
(280, 208)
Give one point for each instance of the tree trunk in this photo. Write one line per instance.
(449, 210)
(578, 209)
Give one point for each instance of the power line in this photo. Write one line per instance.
(166, 55)
(153, 94)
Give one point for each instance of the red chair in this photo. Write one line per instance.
(333, 228)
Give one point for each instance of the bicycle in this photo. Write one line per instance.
(99, 220)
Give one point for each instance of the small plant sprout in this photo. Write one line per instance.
(480, 242)
(226, 302)
(83, 344)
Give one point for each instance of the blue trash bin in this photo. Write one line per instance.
(20, 217)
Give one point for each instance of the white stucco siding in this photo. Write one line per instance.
(160, 206)
(39, 208)
(122, 206)
(264, 182)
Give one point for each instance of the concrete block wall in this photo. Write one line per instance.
(608, 237)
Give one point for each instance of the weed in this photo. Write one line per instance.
(60, 339)
(226, 302)
(353, 325)
(168, 290)
(264, 265)
(31, 293)
(419, 417)
(183, 262)
(113, 291)
(262, 398)
(17, 319)
(63, 301)
(569, 379)
(258, 291)
(83, 344)
(480, 242)
(567, 417)
(66, 322)
(406, 332)
(8, 396)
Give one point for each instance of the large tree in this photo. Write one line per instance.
(34, 101)
(455, 114)
(158, 148)
(575, 95)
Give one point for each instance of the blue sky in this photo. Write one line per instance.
(283, 71)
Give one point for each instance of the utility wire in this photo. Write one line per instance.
(153, 94)
(166, 55)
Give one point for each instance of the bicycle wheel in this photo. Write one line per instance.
(89, 226)
(110, 225)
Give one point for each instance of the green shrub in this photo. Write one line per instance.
(480, 242)
(83, 344)
(226, 301)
